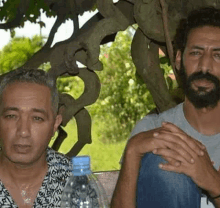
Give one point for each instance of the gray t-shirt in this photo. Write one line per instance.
(176, 116)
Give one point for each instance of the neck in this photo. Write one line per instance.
(204, 120)
(22, 175)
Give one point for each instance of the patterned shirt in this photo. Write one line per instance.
(49, 195)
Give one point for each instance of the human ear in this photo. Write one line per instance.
(178, 60)
(58, 121)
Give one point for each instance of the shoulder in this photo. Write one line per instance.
(152, 121)
(59, 171)
(169, 115)
(55, 158)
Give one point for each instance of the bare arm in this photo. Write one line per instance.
(215, 190)
(124, 195)
(217, 203)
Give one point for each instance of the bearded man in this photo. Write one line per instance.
(172, 159)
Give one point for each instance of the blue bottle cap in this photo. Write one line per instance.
(81, 165)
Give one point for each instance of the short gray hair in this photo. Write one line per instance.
(37, 76)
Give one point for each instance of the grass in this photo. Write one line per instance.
(104, 156)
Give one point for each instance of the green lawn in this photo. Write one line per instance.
(103, 156)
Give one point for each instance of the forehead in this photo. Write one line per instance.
(26, 95)
(207, 36)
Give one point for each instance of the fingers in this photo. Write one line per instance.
(176, 144)
(141, 143)
(174, 155)
(169, 167)
(188, 143)
(193, 143)
(171, 127)
(172, 161)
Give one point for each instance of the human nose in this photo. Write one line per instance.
(205, 63)
(23, 127)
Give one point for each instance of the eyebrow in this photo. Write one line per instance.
(38, 110)
(10, 109)
(197, 47)
(202, 48)
(216, 49)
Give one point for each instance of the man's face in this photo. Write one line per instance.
(200, 67)
(26, 122)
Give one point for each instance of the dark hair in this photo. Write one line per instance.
(32, 76)
(208, 16)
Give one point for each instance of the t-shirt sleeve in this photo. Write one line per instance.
(147, 123)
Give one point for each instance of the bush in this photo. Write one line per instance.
(124, 97)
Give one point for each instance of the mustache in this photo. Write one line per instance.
(201, 75)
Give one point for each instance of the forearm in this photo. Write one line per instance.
(124, 195)
(217, 200)
(214, 189)
(217, 203)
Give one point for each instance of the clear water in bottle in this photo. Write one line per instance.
(83, 189)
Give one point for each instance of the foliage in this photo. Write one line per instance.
(124, 98)
(29, 10)
(71, 85)
(167, 71)
(11, 9)
(18, 51)
(103, 158)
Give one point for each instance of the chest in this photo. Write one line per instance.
(48, 195)
(24, 196)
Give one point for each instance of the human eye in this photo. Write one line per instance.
(195, 53)
(37, 118)
(10, 116)
(217, 55)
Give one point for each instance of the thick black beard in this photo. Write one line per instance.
(198, 99)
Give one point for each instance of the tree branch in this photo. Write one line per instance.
(76, 24)
(167, 37)
(16, 22)
(131, 1)
(53, 31)
(42, 55)
(13, 23)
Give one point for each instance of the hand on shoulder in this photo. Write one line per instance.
(168, 136)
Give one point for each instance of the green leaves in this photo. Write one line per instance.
(124, 97)
(30, 9)
(18, 51)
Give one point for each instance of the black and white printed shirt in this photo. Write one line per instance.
(49, 195)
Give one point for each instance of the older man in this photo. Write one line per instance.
(168, 162)
(31, 174)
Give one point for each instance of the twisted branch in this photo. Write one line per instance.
(167, 36)
(44, 53)
(53, 31)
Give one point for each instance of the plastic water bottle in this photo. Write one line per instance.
(83, 190)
